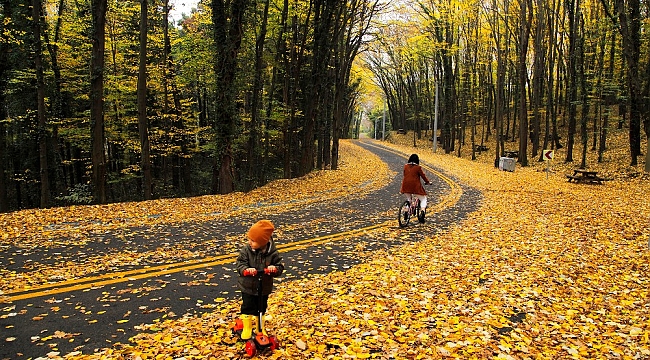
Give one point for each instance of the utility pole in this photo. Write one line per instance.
(435, 122)
(383, 131)
(376, 120)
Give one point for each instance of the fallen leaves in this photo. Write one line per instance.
(566, 275)
(61, 227)
(544, 269)
(69, 225)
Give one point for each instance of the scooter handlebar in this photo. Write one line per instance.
(250, 272)
(255, 272)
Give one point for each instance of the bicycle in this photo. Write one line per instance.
(410, 208)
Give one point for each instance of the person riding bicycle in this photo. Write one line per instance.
(411, 184)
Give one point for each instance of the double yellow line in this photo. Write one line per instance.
(160, 270)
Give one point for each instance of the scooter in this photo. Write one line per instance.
(260, 342)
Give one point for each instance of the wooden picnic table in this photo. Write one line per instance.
(511, 153)
(585, 176)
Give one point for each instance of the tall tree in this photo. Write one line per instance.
(40, 94)
(584, 111)
(526, 15)
(539, 76)
(627, 15)
(143, 123)
(5, 18)
(228, 22)
(499, 47)
(572, 95)
(253, 174)
(98, 10)
(324, 16)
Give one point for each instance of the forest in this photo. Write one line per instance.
(109, 101)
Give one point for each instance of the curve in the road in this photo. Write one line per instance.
(445, 202)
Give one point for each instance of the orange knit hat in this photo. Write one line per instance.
(261, 232)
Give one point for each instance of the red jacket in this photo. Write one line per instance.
(411, 183)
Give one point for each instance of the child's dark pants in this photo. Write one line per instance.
(250, 304)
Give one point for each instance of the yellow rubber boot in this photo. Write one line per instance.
(247, 332)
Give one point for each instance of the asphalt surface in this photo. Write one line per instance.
(89, 319)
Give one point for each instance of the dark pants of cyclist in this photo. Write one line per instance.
(250, 304)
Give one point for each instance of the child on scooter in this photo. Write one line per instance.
(258, 255)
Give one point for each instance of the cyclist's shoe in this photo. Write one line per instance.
(421, 217)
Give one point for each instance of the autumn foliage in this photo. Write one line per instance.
(544, 269)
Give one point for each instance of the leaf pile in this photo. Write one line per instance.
(545, 269)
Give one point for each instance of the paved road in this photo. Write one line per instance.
(96, 312)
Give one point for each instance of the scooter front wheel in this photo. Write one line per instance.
(250, 348)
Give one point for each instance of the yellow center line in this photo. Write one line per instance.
(447, 201)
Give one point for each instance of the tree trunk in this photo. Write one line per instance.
(99, 8)
(276, 76)
(524, 34)
(629, 25)
(143, 123)
(584, 112)
(323, 18)
(500, 82)
(609, 95)
(227, 39)
(4, 67)
(40, 93)
(539, 77)
(573, 81)
(630, 22)
(254, 174)
(57, 100)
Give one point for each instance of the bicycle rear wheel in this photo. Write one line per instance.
(404, 215)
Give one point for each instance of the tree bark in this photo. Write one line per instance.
(228, 31)
(629, 25)
(573, 81)
(4, 67)
(143, 123)
(524, 34)
(98, 9)
(254, 176)
(40, 94)
(57, 105)
(539, 77)
(584, 96)
(630, 22)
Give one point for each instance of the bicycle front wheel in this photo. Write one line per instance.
(404, 215)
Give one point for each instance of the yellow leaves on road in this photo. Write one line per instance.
(544, 269)
(359, 172)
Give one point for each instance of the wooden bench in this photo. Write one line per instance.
(585, 177)
(401, 131)
(511, 153)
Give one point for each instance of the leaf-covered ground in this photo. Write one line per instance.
(545, 269)
(76, 225)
